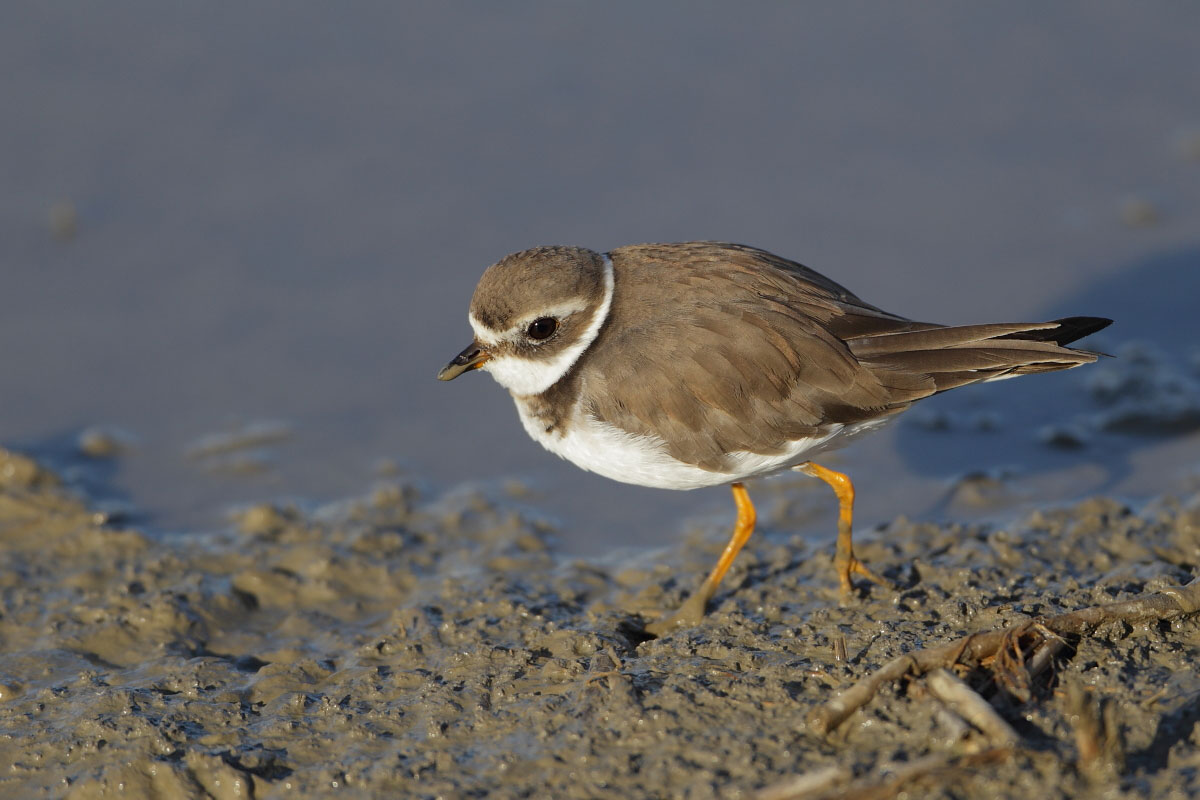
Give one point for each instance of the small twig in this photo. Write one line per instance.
(1008, 665)
(1082, 714)
(1097, 733)
(1013, 672)
(1168, 604)
(1114, 735)
(887, 781)
(967, 703)
(807, 785)
(1151, 701)
(1052, 645)
(903, 775)
(956, 727)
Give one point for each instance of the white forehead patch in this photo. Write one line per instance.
(483, 334)
(524, 376)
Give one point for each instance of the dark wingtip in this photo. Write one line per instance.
(1069, 329)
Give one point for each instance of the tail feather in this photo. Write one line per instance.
(1065, 330)
(907, 341)
(941, 358)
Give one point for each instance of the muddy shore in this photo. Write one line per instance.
(435, 646)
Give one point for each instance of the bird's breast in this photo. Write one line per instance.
(643, 460)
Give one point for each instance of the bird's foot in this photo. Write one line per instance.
(855, 567)
(686, 616)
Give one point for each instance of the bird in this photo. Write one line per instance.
(693, 364)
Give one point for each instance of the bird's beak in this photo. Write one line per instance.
(472, 357)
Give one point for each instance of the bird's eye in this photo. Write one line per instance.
(542, 328)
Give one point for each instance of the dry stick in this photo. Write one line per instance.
(1098, 737)
(886, 781)
(956, 727)
(942, 764)
(1089, 735)
(1165, 605)
(1009, 666)
(1052, 645)
(807, 785)
(970, 706)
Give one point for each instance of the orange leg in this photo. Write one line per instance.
(692, 610)
(843, 561)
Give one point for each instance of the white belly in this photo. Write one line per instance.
(643, 460)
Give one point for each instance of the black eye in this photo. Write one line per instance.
(542, 328)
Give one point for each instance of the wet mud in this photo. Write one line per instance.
(415, 645)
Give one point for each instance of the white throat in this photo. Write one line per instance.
(522, 376)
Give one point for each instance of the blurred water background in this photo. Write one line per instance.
(237, 242)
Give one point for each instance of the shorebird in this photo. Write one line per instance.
(695, 364)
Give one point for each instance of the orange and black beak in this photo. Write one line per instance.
(472, 357)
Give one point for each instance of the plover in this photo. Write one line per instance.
(695, 364)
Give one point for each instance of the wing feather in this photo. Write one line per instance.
(716, 348)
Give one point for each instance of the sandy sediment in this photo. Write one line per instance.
(412, 646)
